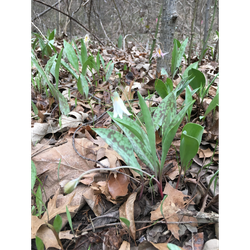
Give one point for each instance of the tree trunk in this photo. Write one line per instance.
(192, 31)
(206, 20)
(168, 23)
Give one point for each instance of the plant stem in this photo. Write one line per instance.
(159, 184)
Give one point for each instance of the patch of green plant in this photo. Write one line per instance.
(141, 139)
(44, 73)
(46, 44)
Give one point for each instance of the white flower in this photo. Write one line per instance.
(86, 39)
(119, 107)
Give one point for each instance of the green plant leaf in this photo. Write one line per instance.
(102, 61)
(34, 107)
(190, 141)
(174, 57)
(67, 67)
(180, 54)
(120, 42)
(78, 52)
(212, 105)
(209, 85)
(199, 79)
(191, 66)
(167, 105)
(69, 219)
(164, 72)
(132, 126)
(39, 244)
(52, 35)
(149, 126)
(188, 98)
(63, 104)
(109, 71)
(57, 223)
(57, 68)
(120, 144)
(71, 55)
(39, 203)
(33, 174)
(140, 146)
(98, 61)
(161, 88)
(169, 85)
(182, 85)
(170, 131)
(83, 86)
(125, 221)
(50, 64)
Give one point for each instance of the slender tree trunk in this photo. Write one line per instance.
(192, 31)
(206, 20)
(168, 24)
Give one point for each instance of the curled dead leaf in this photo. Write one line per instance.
(127, 211)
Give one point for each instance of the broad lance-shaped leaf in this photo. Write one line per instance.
(83, 86)
(169, 133)
(149, 126)
(133, 127)
(180, 54)
(139, 147)
(120, 144)
(168, 105)
(190, 141)
(71, 55)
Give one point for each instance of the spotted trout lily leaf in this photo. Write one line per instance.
(119, 107)
(120, 144)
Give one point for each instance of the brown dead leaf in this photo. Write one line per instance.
(113, 238)
(72, 165)
(118, 186)
(52, 211)
(92, 201)
(171, 205)
(127, 211)
(205, 153)
(125, 245)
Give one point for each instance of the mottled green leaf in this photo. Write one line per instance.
(109, 71)
(83, 86)
(120, 144)
(33, 174)
(182, 85)
(170, 131)
(191, 66)
(198, 80)
(180, 54)
(167, 105)
(140, 147)
(132, 126)
(174, 57)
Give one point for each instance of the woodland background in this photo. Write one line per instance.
(109, 19)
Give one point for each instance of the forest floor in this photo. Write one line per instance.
(101, 198)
